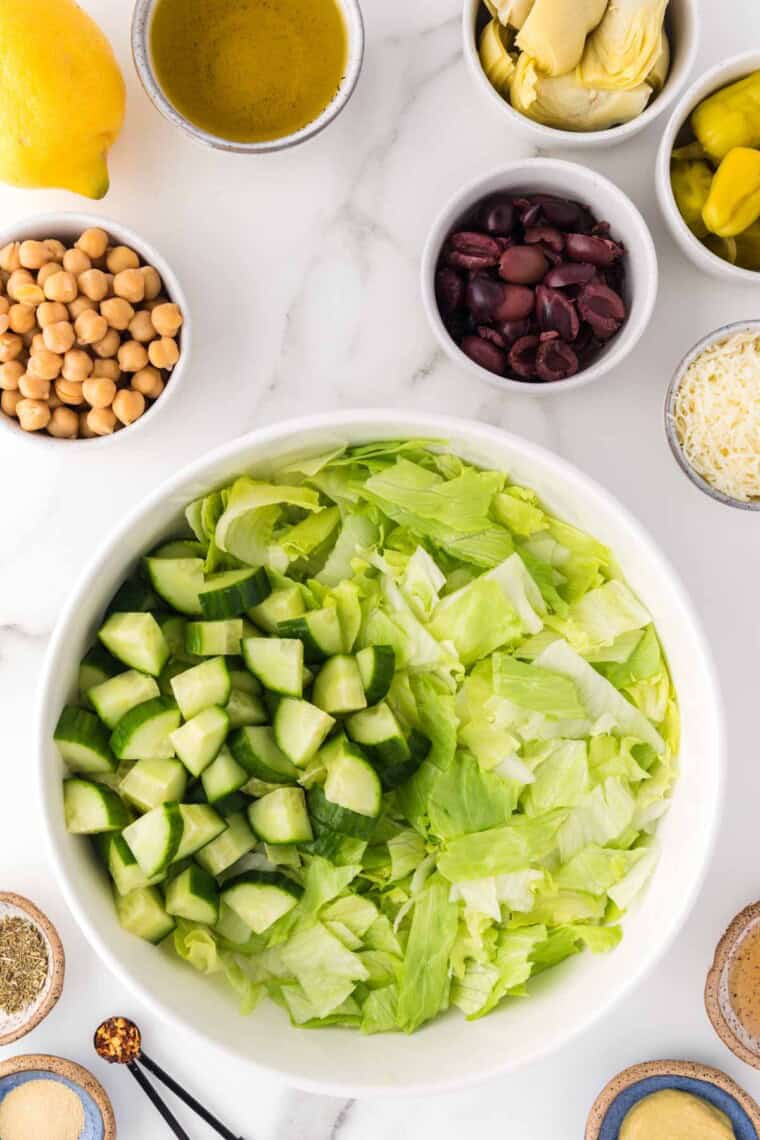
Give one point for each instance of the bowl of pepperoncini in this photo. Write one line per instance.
(708, 170)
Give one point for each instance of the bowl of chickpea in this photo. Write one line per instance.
(94, 330)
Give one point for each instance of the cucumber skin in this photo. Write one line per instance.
(72, 723)
(234, 600)
(201, 889)
(134, 719)
(175, 827)
(377, 688)
(264, 879)
(244, 751)
(336, 818)
(116, 813)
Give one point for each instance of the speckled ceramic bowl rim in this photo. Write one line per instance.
(739, 926)
(70, 1071)
(63, 225)
(56, 967)
(670, 425)
(691, 1069)
(143, 10)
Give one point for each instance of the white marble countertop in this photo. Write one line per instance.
(301, 269)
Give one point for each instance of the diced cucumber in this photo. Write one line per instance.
(83, 741)
(144, 733)
(178, 581)
(281, 605)
(335, 818)
(202, 686)
(212, 638)
(231, 927)
(378, 731)
(377, 664)
(154, 838)
(338, 687)
(232, 592)
(193, 895)
(229, 846)
(319, 630)
(122, 866)
(351, 781)
(200, 824)
(260, 898)
(152, 782)
(116, 696)
(179, 548)
(137, 640)
(198, 741)
(277, 662)
(281, 817)
(300, 728)
(244, 680)
(142, 912)
(90, 808)
(173, 628)
(242, 708)
(133, 596)
(96, 666)
(223, 776)
(256, 750)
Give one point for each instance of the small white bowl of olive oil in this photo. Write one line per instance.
(250, 76)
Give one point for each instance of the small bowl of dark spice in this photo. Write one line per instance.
(32, 966)
(732, 991)
(540, 277)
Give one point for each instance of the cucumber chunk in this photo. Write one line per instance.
(90, 808)
(193, 895)
(178, 581)
(223, 777)
(214, 638)
(96, 666)
(198, 741)
(260, 898)
(379, 733)
(300, 728)
(142, 912)
(122, 866)
(281, 605)
(137, 640)
(153, 782)
(242, 708)
(319, 630)
(281, 817)
(232, 592)
(154, 838)
(83, 742)
(113, 698)
(338, 687)
(377, 664)
(351, 780)
(256, 750)
(277, 662)
(180, 548)
(202, 686)
(231, 927)
(334, 818)
(229, 846)
(133, 596)
(200, 824)
(144, 733)
(241, 679)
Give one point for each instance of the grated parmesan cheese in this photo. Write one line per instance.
(717, 415)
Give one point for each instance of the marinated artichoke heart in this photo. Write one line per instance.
(563, 102)
(510, 12)
(495, 59)
(554, 34)
(659, 73)
(624, 48)
(691, 181)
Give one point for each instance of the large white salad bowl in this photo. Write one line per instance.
(449, 1052)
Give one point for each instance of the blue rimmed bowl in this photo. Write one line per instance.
(99, 1121)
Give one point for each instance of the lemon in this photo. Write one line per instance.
(61, 97)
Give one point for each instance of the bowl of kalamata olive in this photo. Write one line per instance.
(540, 277)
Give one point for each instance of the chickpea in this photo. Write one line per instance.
(167, 319)
(141, 327)
(64, 424)
(76, 261)
(163, 353)
(101, 421)
(18, 278)
(93, 242)
(22, 318)
(56, 247)
(90, 327)
(9, 256)
(33, 415)
(117, 312)
(152, 282)
(9, 401)
(129, 284)
(53, 401)
(10, 346)
(59, 337)
(121, 257)
(36, 344)
(34, 254)
(61, 287)
(45, 365)
(29, 336)
(30, 294)
(69, 392)
(10, 374)
(108, 346)
(81, 305)
(5, 305)
(47, 270)
(85, 431)
(128, 406)
(132, 356)
(50, 313)
(94, 284)
(99, 392)
(77, 366)
(33, 388)
(109, 368)
(5, 323)
(148, 381)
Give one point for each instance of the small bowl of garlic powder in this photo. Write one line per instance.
(50, 1098)
(712, 415)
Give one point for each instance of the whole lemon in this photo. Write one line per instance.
(61, 97)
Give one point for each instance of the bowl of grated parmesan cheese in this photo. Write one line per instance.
(712, 415)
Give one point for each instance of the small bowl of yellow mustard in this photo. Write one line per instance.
(250, 76)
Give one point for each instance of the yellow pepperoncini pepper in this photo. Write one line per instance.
(729, 118)
(691, 182)
(734, 200)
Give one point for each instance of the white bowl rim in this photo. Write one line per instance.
(612, 136)
(440, 427)
(703, 86)
(568, 175)
(38, 223)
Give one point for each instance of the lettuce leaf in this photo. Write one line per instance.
(424, 987)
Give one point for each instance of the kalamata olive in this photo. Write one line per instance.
(492, 334)
(555, 312)
(497, 216)
(569, 273)
(522, 356)
(449, 290)
(471, 250)
(513, 330)
(485, 354)
(517, 303)
(603, 309)
(597, 250)
(522, 264)
(545, 235)
(457, 325)
(483, 296)
(560, 212)
(555, 360)
(531, 213)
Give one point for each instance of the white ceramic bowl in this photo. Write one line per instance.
(449, 1052)
(683, 25)
(67, 227)
(713, 80)
(608, 203)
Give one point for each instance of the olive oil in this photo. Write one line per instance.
(249, 70)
